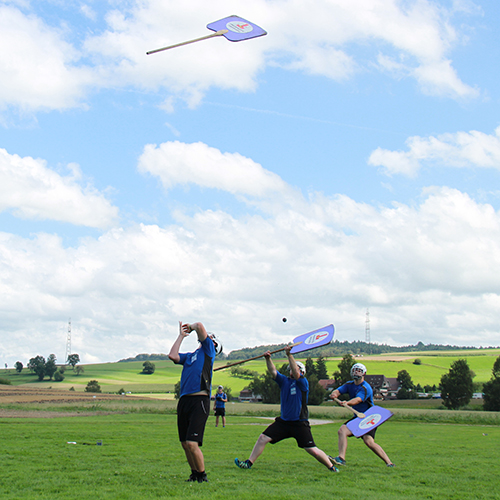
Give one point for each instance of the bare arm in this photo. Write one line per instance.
(270, 365)
(198, 328)
(294, 369)
(174, 350)
(334, 394)
(352, 402)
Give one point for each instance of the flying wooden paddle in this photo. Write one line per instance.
(317, 338)
(233, 28)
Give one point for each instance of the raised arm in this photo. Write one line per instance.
(270, 365)
(198, 328)
(294, 369)
(174, 350)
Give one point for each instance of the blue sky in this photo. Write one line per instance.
(347, 161)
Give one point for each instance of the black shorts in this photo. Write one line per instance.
(220, 412)
(299, 429)
(370, 433)
(192, 415)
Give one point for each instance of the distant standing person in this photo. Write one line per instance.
(194, 398)
(361, 398)
(220, 406)
(293, 421)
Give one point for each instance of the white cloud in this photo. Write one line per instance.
(37, 69)
(461, 149)
(33, 191)
(427, 273)
(180, 163)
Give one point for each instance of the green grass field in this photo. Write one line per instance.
(115, 376)
(142, 458)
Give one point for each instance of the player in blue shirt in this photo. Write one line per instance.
(360, 398)
(194, 398)
(220, 406)
(293, 421)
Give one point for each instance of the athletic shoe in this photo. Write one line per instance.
(192, 478)
(337, 460)
(390, 465)
(202, 477)
(243, 465)
(333, 469)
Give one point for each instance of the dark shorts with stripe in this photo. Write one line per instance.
(300, 430)
(192, 415)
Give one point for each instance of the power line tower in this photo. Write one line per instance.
(367, 330)
(68, 341)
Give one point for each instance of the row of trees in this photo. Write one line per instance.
(338, 348)
(48, 368)
(456, 386)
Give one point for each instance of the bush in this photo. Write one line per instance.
(148, 368)
(93, 386)
(417, 362)
(58, 376)
(5, 381)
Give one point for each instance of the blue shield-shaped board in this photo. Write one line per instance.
(374, 416)
(310, 340)
(238, 28)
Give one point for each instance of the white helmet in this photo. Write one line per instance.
(358, 367)
(301, 366)
(216, 341)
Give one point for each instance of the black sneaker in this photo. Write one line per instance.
(202, 477)
(192, 478)
(243, 464)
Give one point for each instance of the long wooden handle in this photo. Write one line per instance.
(356, 412)
(255, 357)
(217, 33)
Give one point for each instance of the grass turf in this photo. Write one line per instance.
(142, 458)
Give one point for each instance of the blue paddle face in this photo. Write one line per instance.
(374, 416)
(310, 340)
(238, 28)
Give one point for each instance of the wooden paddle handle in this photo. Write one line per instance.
(356, 412)
(255, 357)
(217, 33)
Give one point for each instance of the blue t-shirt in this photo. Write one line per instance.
(363, 391)
(218, 399)
(294, 395)
(197, 368)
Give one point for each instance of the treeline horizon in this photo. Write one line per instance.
(334, 349)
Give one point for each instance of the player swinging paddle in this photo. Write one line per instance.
(293, 421)
(361, 398)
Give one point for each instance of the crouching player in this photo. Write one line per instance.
(360, 398)
(293, 421)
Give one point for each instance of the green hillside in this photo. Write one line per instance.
(128, 376)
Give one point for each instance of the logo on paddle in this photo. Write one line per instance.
(370, 421)
(239, 27)
(315, 338)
